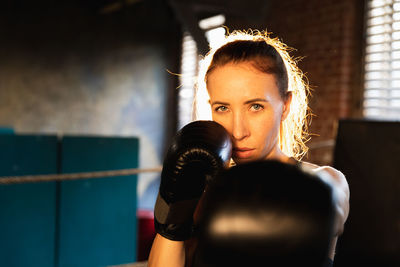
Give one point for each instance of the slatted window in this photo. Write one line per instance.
(189, 63)
(382, 60)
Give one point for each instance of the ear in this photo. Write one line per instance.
(286, 106)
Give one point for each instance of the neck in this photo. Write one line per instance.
(278, 155)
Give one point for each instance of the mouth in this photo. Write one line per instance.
(242, 152)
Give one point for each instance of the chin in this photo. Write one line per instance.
(243, 160)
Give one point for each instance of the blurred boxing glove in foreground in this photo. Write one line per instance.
(266, 214)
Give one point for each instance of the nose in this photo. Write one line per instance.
(240, 129)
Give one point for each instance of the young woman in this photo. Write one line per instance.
(252, 87)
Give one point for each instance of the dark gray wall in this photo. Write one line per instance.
(66, 68)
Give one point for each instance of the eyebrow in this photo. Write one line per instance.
(247, 102)
(256, 100)
(219, 103)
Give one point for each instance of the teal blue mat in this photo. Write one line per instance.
(6, 130)
(27, 211)
(97, 217)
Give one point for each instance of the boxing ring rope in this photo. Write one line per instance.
(5, 180)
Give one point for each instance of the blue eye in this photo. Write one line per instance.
(257, 107)
(221, 109)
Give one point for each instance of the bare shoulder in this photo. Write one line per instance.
(329, 174)
(338, 181)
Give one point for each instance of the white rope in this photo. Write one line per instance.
(72, 176)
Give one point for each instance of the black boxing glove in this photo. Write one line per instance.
(197, 153)
(266, 214)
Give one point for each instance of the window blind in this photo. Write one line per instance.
(189, 62)
(189, 70)
(382, 60)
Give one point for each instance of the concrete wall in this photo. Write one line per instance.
(66, 68)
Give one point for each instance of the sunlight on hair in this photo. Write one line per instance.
(294, 129)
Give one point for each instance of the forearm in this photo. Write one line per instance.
(166, 253)
(332, 248)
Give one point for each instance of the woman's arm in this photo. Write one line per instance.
(166, 253)
(342, 192)
(339, 182)
(183, 181)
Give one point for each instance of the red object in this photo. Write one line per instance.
(146, 233)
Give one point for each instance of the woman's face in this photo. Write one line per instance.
(247, 103)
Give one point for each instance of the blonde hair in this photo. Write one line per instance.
(294, 129)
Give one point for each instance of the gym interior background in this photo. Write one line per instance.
(103, 69)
